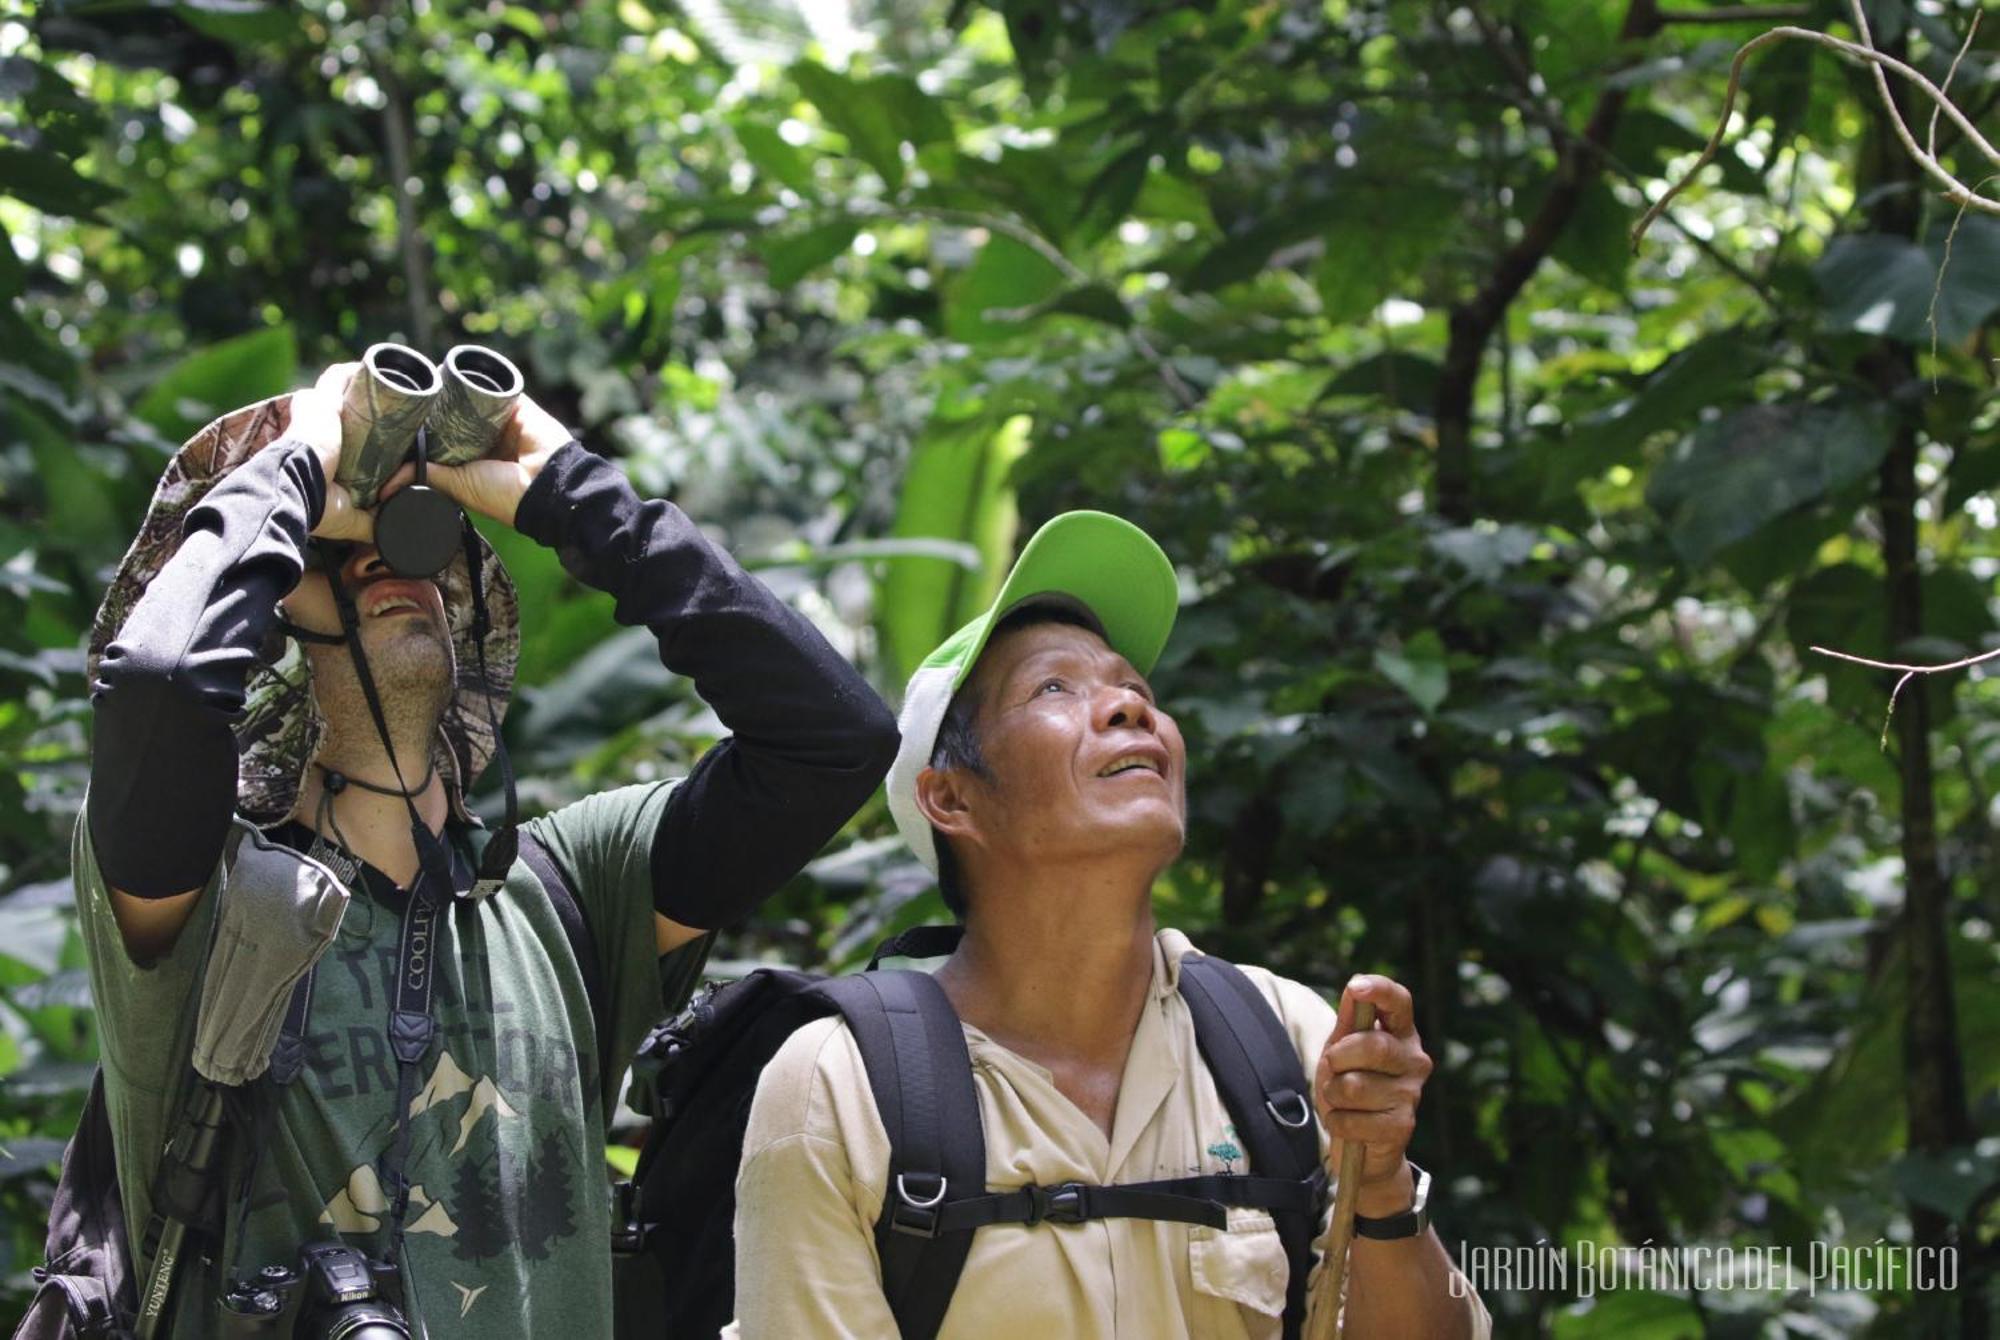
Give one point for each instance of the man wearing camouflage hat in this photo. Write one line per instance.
(277, 712)
(1046, 787)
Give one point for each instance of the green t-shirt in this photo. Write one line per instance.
(508, 1126)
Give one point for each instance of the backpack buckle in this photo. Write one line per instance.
(1061, 1204)
(917, 1215)
(628, 1232)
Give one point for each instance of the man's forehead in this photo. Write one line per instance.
(1014, 648)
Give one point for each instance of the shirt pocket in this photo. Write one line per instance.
(1244, 1264)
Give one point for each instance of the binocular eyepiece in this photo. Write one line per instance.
(401, 406)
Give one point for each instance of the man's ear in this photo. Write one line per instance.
(944, 798)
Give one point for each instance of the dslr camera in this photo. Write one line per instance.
(335, 1293)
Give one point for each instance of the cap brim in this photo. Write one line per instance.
(1102, 562)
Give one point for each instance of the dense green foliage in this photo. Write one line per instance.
(1503, 545)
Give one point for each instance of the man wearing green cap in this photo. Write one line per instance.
(1041, 781)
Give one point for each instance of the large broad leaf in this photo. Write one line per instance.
(212, 381)
(1005, 285)
(1854, 1113)
(876, 115)
(1407, 381)
(1746, 468)
(1418, 669)
(792, 256)
(956, 489)
(1879, 285)
(1712, 370)
(1630, 1314)
(240, 20)
(48, 182)
(1377, 240)
(1596, 243)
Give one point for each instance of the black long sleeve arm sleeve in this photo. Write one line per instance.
(810, 740)
(168, 688)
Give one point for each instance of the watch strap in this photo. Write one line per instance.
(1409, 1223)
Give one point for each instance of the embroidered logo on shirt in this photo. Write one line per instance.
(1226, 1149)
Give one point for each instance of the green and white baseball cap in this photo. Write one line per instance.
(1093, 559)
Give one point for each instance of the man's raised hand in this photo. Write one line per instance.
(492, 486)
(316, 422)
(1367, 1087)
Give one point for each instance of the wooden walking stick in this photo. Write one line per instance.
(1323, 1311)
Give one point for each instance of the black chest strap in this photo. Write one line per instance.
(936, 1197)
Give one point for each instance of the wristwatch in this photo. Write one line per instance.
(1409, 1223)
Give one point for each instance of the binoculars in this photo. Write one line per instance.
(400, 407)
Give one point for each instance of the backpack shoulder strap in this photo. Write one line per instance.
(1263, 1085)
(576, 926)
(921, 1075)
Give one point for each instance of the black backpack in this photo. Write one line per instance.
(88, 1284)
(695, 1077)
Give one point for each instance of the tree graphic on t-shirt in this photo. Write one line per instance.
(475, 1206)
(546, 1213)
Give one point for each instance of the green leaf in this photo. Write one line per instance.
(956, 488)
(215, 380)
(1004, 285)
(1712, 371)
(1880, 285)
(1377, 241)
(1751, 466)
(792, 256)
(50, 183)
(1110, 196)
(1418, 670)
(1407, 381)
(1032, 30)
(1093, 302)
(773, 157)
(1853, 1114)
(240, 20)
(1630, 1314)
(13, 274)
(1596, 243)
(876, 116)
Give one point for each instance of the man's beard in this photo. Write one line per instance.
(411, 664)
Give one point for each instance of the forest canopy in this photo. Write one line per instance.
(1503, 541)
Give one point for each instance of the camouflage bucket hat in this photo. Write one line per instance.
(282, 727)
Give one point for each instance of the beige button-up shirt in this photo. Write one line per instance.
(816, 1160)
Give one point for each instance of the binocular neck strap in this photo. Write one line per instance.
(501, 851)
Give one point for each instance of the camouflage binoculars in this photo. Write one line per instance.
(402, 407)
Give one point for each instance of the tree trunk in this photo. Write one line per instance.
(1933, 1069)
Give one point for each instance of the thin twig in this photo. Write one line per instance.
(1551, 120)
(1981, 658)
(1955, 190)
(1971, 31)
(1876, 62)
(1910, 672)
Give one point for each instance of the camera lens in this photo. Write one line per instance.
(364, 1321)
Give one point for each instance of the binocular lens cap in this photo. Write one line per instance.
(417, 530)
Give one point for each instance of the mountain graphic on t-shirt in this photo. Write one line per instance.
(448, 1082)
(360, 1205)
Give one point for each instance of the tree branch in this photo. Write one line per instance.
(1880, 64)
(1473, 322)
